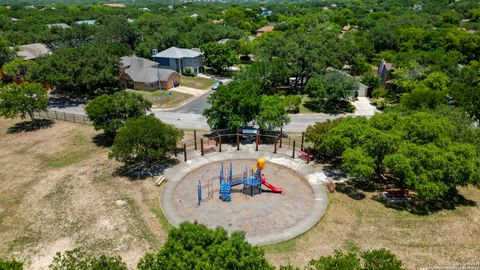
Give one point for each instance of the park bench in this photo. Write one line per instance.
(305, 156)
(209, 148)
(396, 196)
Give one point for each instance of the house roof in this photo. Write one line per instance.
(115, 5)
(177, 53)
(346, 27)
(144, 70)
(32, 51)
(86, 22)
(265, 28)
(388, 66)
(60, 25)
(223, 41)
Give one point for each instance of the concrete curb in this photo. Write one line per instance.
(175, 174)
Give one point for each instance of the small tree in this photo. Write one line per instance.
(22, 100)
(219, 56)
(144, 141)
(10, 265)
(110, 112)
(194, 246)
(292, 102)
(272, 113)
(79, 260)
(380, 259)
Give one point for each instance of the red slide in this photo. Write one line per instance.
(272, 187)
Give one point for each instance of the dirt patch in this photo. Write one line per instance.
(59, 192)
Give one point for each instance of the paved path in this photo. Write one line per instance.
(315, 177)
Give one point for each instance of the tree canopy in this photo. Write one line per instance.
(219, 56)
(22, 100)
(420, 151)
(110, 112)
(194, 246)
(144, 141)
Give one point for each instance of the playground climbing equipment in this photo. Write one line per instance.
(251, 180)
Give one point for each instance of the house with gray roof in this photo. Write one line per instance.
(179, 59)
(143, 74)
(32, 51)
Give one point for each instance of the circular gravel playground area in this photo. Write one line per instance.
(266, 218)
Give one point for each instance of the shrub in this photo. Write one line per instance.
(79, 260)
(188, 72)
(10, 265)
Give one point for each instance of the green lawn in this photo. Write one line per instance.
(196, 82)
(169, 99)
(304, 109)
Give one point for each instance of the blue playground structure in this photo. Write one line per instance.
(252, 184)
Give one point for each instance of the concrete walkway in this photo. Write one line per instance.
(315, 177)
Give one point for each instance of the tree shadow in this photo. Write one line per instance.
(350, 191)
(418, 206)
(103, 140)
(30, 126)
(140, 172)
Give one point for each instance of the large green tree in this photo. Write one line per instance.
(233, 105)
(110, 112)
(272, 113)
(81, 71)
(144, 141)
(331, 91)
(219, 56)
(419, 151)
(22, 100)
(194, 246)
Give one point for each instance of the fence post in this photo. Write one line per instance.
(73, 118)
(281, 137)
(84, 122)
(64, 117)
(238, 141)
(301, 146)
(275, 145)
(201, 146)
(220, 143)
(293, 150)
(195, 138)
(56, 118)
(256, 142)
(185, 151)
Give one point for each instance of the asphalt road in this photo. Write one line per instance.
(189, 116)
(196, 106)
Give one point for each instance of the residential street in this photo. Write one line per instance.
(189, 116)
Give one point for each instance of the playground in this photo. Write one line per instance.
(286, 204)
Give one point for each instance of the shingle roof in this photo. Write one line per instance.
(32, 51)
(177, 53)
(265, 28)
(61, 25)
(144, 70)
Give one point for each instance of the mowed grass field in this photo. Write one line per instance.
(196, 82)
(164, 99)
(59, 191)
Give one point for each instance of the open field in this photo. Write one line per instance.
(60, 191)
(444, 238)
(196, 82)
(169, 99)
